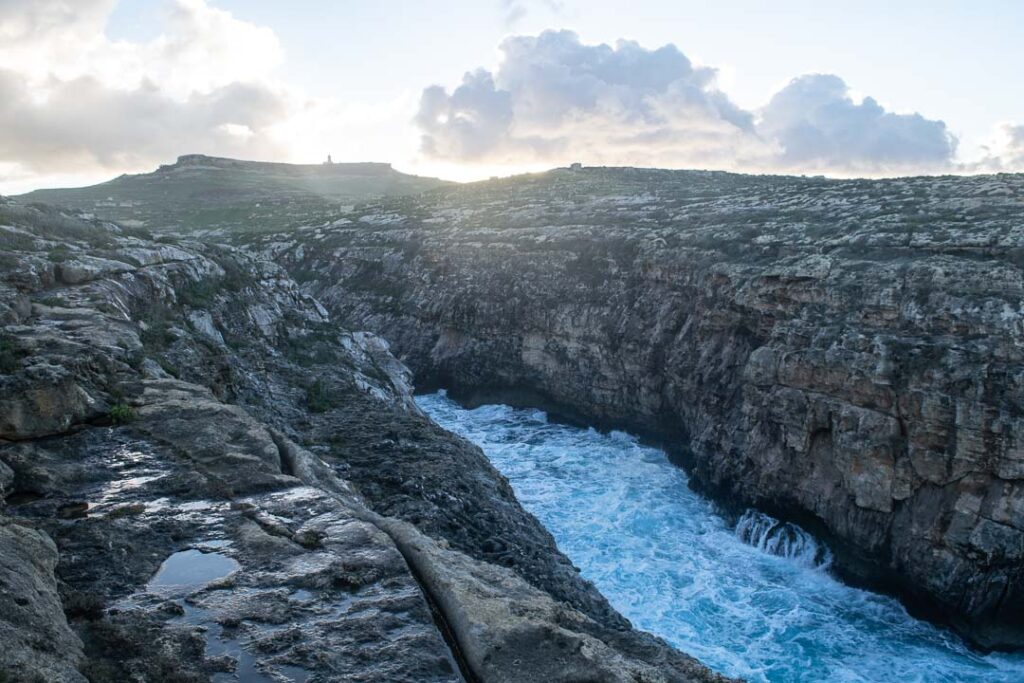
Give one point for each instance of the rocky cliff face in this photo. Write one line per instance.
(848, 354)
(202, 474)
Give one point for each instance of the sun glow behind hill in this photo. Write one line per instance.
(199, 192)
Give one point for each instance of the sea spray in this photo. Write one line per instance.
(751, 600)
(782, 539)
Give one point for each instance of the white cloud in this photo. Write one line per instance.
(818, 126)
(1005, 153)
(74, 101)
(199, 49)
(84, 123)
(553, 98)
(514, 11)
(1013, 148)
(78, 106)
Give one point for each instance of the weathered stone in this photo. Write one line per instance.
(844, 352)
(35, 640)
(153, 415)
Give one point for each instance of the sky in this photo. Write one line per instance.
(90, 89)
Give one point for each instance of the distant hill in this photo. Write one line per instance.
(200, 192)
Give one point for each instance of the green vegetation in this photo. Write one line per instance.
(59, 253)
(57, 301)
(121, 413)
(315, 347)
(319, 398)
(156, 335)
(15, 241)
(50, 222)
(201, 192)
(135, 359)
(199, 294)
(10, 361)
(141, 233)
(236, 275)
(169, 367)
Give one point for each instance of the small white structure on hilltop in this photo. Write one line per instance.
(575, 166)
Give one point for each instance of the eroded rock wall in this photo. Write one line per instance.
(171, 402)
(847, 353)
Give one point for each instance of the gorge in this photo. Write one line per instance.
(842, 355)
(753, 598)
(845, 354)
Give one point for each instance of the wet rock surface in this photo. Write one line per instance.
(34, 631)
(846, 354)
(204, 478)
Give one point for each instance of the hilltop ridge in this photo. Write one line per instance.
(185, 161)
(199, 192)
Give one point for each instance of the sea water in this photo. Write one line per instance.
(753, 599)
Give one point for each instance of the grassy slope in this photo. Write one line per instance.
(201, 192)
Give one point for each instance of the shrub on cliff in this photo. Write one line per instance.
(319, 398)
(10, 362)
(156, 334)
(121, 413)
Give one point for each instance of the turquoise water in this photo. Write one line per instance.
(755, 601)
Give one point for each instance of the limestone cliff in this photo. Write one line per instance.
(202, 474)
(845, 353)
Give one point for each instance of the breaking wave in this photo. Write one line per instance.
(783, 539)
(753, 600)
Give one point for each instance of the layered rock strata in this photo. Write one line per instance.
(203, 477)
(847, 354)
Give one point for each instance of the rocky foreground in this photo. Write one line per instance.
(204, 477)
(848, 354)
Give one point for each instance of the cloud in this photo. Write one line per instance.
(514, 11)
(1006, 151)
(1012, 153)
(470, 123)
(26, 21)
(84, 123)
(819, 127)
(74, 101)
(200, 47)
(553, 98)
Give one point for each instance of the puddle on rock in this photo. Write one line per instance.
(118, 489)
(189, 570)
(219, 644)
(296, 674)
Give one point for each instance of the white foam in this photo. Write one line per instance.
(754, 601)
(782, 539)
